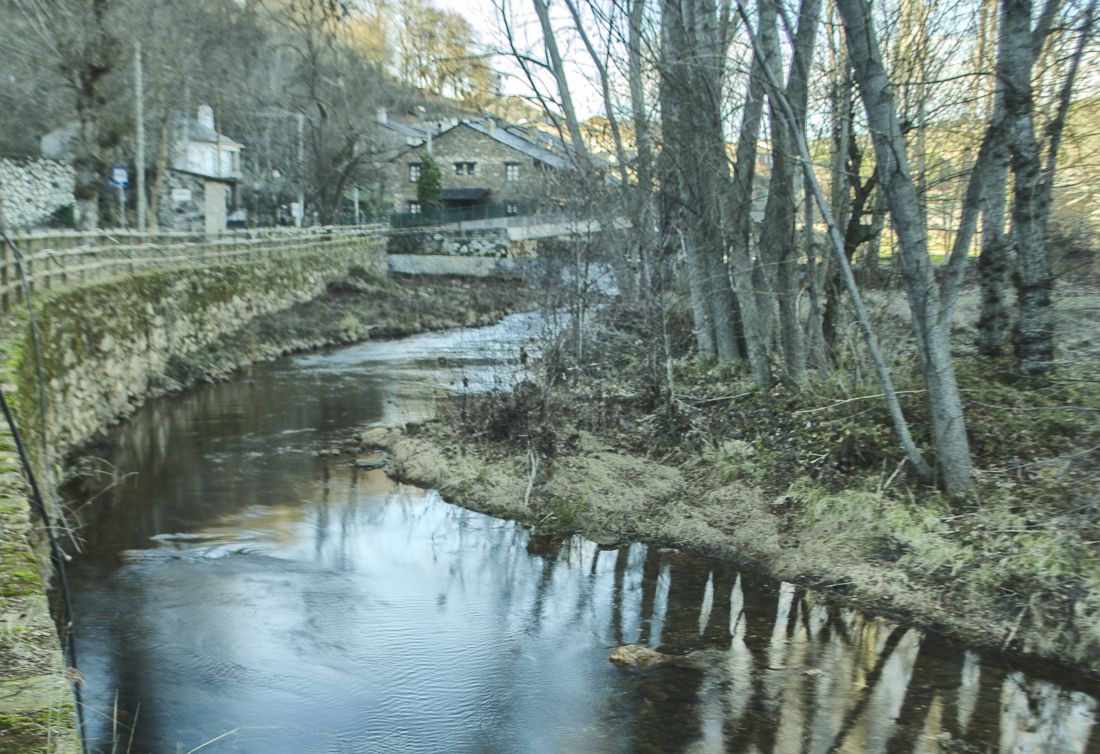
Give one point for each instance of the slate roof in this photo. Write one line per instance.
(520, 144)
(502, 135)
(199, 131)
(405, 129)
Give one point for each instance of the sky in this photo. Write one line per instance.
(484, 17)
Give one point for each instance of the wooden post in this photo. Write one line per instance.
(5, 277)
(28, 269)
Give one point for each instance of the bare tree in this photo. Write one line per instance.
(932, 333)
(778, 246)
(1033, 173)
(890, 395)
(79, 37)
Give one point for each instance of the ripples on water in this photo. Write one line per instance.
(237, 585)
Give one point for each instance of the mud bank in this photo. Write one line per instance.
(612, 496)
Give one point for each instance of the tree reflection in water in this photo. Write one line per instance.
(794, 674)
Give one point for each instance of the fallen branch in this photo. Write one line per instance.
(852, 400)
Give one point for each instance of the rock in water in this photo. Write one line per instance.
(637, 656)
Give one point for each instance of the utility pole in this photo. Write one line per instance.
(139, 124)
(301, 159)
(301, 171)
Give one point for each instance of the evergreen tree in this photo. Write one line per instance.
(429, 184)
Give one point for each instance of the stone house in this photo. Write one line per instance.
(482, 163)
(204, 167)
(199, 187)
(393, 135)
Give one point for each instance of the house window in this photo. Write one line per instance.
(511, 171)
(414, 172)
(465, 168)
(414, 208)
(511, 209)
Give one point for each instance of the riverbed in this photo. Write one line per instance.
(239, 593)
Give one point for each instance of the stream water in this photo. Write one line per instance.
(239, 594)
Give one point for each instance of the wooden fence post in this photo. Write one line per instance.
(28, 270)
(5, 277)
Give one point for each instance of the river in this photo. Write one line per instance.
(237, 593)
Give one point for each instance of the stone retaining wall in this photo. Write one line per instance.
(478, 267)
(464, 243)
(105, 347)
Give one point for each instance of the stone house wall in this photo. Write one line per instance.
(174, 212)
(465, 144)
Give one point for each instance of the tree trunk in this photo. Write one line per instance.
(697, 292)
(643, 144)
(840, 198)
(1033, 336)
(679, 231)
(739, 206)
(778, 239)
(693, 67)
(994, 262)
(161, 169)
(579, 150)
(815, 339)
(944, 404)
(89, 165)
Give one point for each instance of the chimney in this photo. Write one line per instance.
(490, 125)
(206, 116)
(382, 116)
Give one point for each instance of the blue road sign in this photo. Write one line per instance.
(120, 175)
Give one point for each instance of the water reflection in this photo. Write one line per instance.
(1039, 716)
(239, 585)
(377, 616)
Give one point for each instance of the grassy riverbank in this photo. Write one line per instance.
(807, 481)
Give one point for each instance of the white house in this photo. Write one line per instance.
(200, 149)
(203, 168)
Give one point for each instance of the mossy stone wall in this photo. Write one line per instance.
(106, 347)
